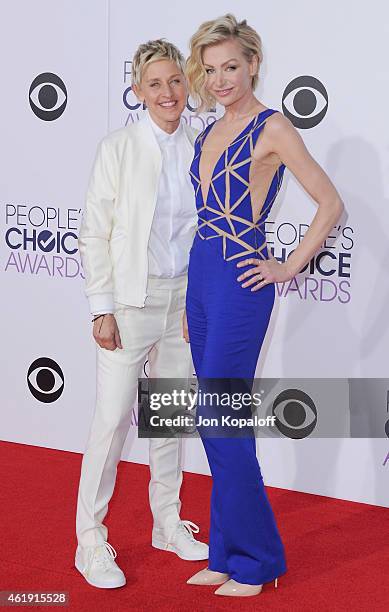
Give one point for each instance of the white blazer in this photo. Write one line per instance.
(116, 222)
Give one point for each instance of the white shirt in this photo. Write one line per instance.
(175, 215)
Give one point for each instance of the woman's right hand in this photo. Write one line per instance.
(106, 332)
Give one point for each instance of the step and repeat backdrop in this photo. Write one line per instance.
(66, 71)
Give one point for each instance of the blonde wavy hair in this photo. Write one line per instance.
(152, 51)
(212, 33)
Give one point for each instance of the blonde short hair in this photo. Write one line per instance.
(152, 51)
(212, 33)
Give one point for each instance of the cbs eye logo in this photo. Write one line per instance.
(45, 380)
(305, 102)
(296, 414)
(48, 96)
(146, 368)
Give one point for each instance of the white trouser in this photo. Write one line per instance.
(154, 331)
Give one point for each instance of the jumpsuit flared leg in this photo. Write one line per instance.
(227, 325)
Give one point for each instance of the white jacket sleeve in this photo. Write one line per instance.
(96, 228)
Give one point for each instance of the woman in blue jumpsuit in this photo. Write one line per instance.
(227, 325)
(228, 318)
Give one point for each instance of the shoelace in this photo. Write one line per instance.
(188, 528)
(102, 555)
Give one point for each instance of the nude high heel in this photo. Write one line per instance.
(231, 588)
(207, 576)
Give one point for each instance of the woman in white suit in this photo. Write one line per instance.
(134, 241)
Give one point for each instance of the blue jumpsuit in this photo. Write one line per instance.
(227, 325)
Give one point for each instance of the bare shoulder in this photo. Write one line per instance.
(277, 125)
(281, 137)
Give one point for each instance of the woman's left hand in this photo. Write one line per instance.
(263, 272)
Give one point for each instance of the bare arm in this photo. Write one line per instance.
(281, 137)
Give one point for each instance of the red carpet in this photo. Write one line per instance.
(337, 551)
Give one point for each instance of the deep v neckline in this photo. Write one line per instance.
(204, 201)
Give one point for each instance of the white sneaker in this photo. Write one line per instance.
(182, 542)
(97, 565)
